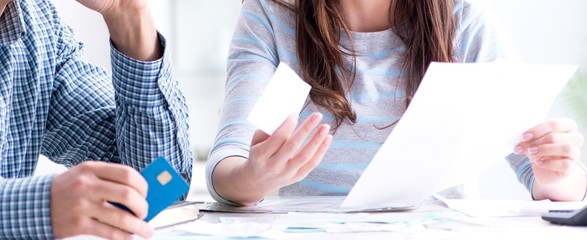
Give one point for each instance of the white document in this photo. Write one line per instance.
(507, 208)
(463, 118)
(285, 94)
(302, 204)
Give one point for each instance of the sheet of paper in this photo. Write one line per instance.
(285, 94)
(299, 225)
(316, 204)
(304, 204)
(507, 208)
(463, 118)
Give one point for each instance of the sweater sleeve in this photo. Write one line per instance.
(251, 62)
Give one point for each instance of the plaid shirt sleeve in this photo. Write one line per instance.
(24, 208)
(131, 117)
(151, 113)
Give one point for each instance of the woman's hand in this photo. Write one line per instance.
(279, 160)
(553, 147)
(274, 161)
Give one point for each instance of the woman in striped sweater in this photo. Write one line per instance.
(364, 61)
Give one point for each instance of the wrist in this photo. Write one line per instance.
(584, 174)
(255, 188)
(571, 187)
(133, 33)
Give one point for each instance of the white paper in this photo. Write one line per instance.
(463, 118)
(227, 230)
(507, 208)
(289, 204)
(285, 94)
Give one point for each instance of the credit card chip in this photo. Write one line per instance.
(164, 177)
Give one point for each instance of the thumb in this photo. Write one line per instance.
(259, 137)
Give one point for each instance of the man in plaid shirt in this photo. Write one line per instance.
(54, 103)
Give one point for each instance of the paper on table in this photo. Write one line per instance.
(506, 208)
(463, 118)
(305, 204)
(285, 94)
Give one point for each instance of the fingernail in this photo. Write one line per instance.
(533, 150)
(527, 136)
(328, 140)
(325, 130)
(539, 162)
(149, 231)
(293, 116)
(518, 150)
(316, 117)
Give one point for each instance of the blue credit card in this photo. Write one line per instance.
(165, 187)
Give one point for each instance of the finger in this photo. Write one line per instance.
(559, 165)
(106, 231)
(257, 148)
(308, 150)
(123, 220)
(316, 159)
(124, 195)
(557, 125)
(557, 137)
(574, 138)
(118, 173)
(274, 142)
(259, 136)
(297, 138)
(555, 150)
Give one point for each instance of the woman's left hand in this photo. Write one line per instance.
(552, 147)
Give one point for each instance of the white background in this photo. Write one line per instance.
(198, 33)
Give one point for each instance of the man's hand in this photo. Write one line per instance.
(79, 202)
(110, 7)
(131, 27)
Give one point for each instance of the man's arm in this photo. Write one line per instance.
(150, 118)
(144, 117)
(131, 27)
(24, 208)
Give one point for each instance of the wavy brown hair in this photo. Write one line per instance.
(425, 26)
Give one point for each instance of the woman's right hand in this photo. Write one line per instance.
(280, 159)
(274, 161)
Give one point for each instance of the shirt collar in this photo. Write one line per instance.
(12, 25)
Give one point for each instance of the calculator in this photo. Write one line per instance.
(576, 217)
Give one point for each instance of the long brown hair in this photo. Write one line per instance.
(425, 26)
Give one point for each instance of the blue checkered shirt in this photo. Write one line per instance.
(54, 103)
